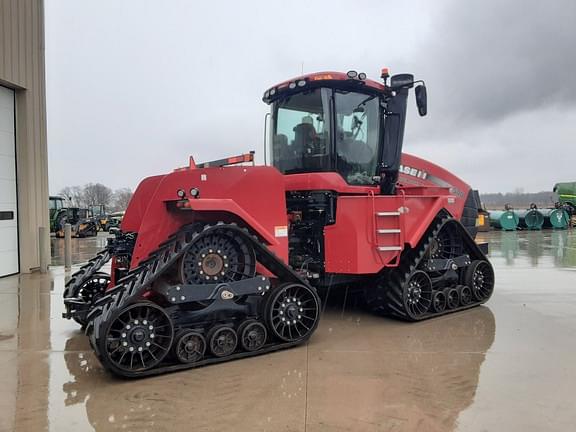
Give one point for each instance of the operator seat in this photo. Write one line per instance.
(304, 138)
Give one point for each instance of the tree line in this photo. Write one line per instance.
(518, 199)
(93, 194)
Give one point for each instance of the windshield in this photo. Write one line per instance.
(301, 138)
(56, 203)
(302, 134)
(357, 135)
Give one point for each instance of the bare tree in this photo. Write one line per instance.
(74, 194)
(97, 194)
(121, 199)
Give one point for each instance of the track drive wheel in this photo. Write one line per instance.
(218, 256)
(253, 335)
(480, 278)
(222, 340)
(90, 291)
(189, 347)
(136, 338)
(446, 244)
(292, 311)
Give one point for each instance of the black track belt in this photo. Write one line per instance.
(130, 289)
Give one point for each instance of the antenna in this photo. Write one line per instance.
(302, 68)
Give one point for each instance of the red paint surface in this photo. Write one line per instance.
(254, 196)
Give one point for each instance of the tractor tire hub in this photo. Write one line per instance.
(212, 264)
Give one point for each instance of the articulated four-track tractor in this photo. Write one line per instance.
(225, 259)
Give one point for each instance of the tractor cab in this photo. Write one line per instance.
(343, 123)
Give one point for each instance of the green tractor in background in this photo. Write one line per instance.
(566, 193)
(82, 221)
(57, 206)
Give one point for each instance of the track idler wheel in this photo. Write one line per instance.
(137, 338)
(189, 347)
(452, 298)
(253, 335)
(418, 294)
(223, 340)
(439, 302)
(292, 311)
(480, 278)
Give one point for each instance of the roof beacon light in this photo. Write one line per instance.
(352, 74)
(362, 76)
(385, 74)
(301, 83)
(292, 85)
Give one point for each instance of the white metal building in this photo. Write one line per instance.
(23, 153)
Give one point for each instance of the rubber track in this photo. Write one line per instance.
(389, 296)
(137, 281)
(86, 272)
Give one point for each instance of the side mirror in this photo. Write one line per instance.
(421, 100)
(402, 80)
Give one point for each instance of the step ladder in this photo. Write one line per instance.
(389, 236)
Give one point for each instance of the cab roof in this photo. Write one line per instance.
(322, 79)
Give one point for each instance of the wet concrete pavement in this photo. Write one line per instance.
(507, 366)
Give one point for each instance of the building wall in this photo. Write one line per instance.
(22, 68)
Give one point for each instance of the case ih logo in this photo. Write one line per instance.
(413, 172)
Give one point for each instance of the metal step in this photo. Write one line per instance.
(389, 248)
(389, 231)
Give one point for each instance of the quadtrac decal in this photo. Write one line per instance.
(423, 175)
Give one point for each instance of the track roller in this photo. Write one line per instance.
(253, 335)
(465, 295)
(190, 346)
(222, 340)
(439, 301)
(452, 298)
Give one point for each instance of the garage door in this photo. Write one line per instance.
(8, 205)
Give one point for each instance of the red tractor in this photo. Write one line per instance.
(225, 260)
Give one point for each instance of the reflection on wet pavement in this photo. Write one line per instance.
(82, 248)
(508, 366)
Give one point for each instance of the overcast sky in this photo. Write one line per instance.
(136, 86)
